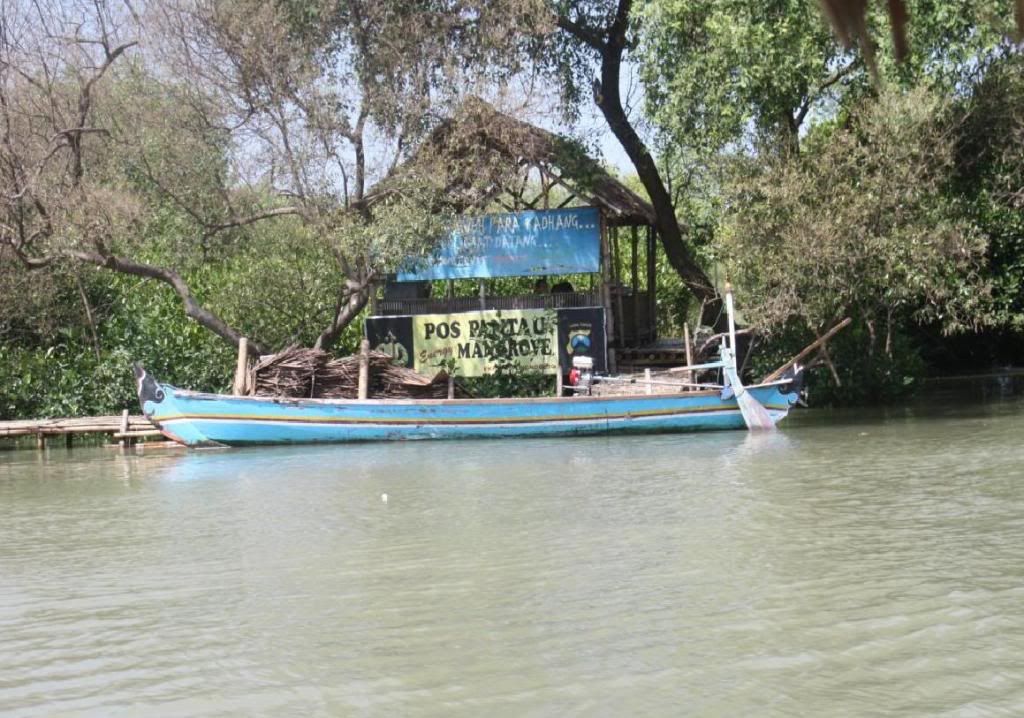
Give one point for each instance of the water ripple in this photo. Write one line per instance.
(863, 566)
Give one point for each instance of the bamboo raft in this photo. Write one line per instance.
(125, 428)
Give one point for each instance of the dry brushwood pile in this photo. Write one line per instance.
(312, 373)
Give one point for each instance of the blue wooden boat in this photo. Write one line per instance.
(199, 419)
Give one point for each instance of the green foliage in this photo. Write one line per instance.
(863, 377)
(276, 283)
(508, 381)
(860, 226)
(990, 178)
(749, 75)
(825, 199)
(59, 373)
(733, 63)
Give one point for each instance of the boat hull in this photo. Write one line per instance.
(198, 419)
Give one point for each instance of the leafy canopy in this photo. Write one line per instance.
(860, 226)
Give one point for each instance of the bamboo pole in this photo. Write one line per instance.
(689, 350)
(635, 277)
(731, 317)
(238, 389)
(136, 434)
(806, 351)
(451, 386)
(364, 369)
(696, 367)
(124, 429)
(647, 380)
(67, 427)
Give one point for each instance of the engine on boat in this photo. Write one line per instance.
(581, 376)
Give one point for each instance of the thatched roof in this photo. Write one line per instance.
(482, 154)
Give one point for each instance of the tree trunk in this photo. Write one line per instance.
(609, 100)
(346, 312)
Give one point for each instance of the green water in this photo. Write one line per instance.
(855, 564)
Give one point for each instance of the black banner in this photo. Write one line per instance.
(581, 333)
(392, 335)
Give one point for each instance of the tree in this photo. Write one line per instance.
(61, 198)
(589, 50)
(231, 114)
(751, 67)
(748, 73)
(753, 75)
(861, 225)
(989, 175)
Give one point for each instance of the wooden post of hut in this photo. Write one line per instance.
(649, 388)
(652, 283)
(241, 368)
(606, 295)
(635, 283)
(558, 373)
(688, 378)
(364, 369)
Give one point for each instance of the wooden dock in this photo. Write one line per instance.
(125, 428)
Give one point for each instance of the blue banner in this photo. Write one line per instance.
(519, 244)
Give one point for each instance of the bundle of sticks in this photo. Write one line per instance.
(312, 373)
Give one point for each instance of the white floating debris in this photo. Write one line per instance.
(384, 498)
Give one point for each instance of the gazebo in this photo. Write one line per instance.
(495, 162)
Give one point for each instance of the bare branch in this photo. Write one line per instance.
(252, 219)
(193, 308)
(580, 32)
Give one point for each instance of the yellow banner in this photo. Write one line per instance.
(478, 342)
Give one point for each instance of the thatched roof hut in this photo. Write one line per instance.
(486, 157)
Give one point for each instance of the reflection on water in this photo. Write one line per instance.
(857, 563)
